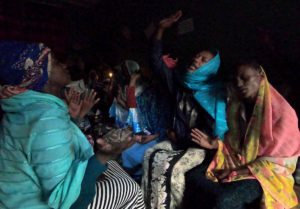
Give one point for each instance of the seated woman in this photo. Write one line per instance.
(45, 160)
(198, 101)
(147, 114)
(260, 151)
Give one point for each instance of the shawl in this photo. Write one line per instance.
(209, 93)
(269, 149)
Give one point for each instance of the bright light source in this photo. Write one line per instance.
(110, 75)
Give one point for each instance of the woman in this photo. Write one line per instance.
(198, 102)
(147, 114)
(45, 161)
(260, 149)
(150, 110)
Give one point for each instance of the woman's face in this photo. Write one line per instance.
(199, 60)
(247, 82)
(59, 75)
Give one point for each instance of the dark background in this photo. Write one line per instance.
(265, 30)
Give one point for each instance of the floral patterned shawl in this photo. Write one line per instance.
(269, 147)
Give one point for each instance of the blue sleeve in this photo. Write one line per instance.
(59, 156)
(160, 67)
(93, 171)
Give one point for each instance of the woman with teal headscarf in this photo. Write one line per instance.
(45, 160)
(199, 102)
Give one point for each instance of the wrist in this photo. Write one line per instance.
(132, 82)
(161, 29)
(215, 142)
(103, 158)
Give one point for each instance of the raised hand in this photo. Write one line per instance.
(168, 22)
(74, 105)
(133, 78)
(203, 140)
(69, 94)
(88, 102)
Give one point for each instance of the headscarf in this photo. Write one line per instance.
(269, 149)
(23, 65)
(209, 93)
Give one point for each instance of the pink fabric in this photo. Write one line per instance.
(170, 62)
(280, 133)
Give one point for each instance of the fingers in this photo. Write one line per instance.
(198, 132)
(148, 138)
(80, 102)
(96, 101)
(86, 94)
(137, 138)
(196, 139)
(177, 16)
(92, 95)
(71, 93)
(222, 174)
(117, 148)
(77, 98)
(104, 145)
(130, 143)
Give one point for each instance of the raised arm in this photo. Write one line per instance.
(158, 63)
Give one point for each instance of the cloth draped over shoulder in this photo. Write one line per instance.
(43, 155)
(209, 93)
(269, 147)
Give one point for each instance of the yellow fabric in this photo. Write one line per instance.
(274, 174)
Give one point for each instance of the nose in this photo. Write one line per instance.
(239, 82)
(197, 58)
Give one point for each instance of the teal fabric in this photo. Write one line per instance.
(209, 93)
(88, 191)
(43, 155)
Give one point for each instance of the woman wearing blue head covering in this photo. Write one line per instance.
(198, 101)
(45, 160)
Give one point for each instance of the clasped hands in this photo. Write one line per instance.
(207, 142)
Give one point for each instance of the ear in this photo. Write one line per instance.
(262, 75)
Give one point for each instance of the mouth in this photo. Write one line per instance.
(242, 90)
(194, 66)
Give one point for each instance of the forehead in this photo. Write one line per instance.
(245, 70)
(205, 54)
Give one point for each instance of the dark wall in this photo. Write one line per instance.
(265, 30)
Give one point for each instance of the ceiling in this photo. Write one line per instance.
(60, 3)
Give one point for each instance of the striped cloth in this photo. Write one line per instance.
(117, 190)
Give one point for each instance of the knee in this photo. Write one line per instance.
(228, 201)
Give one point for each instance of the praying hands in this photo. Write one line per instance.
(77, 106)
